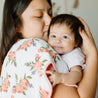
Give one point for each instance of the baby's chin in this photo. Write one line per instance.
(59, 52)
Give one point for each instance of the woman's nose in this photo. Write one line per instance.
(47, 19)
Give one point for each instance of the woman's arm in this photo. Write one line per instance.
(87, 86)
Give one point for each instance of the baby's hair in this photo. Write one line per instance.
(70, 21)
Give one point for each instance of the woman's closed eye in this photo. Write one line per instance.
(39, 16)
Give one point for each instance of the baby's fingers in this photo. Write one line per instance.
(49, 72)
(54, 84)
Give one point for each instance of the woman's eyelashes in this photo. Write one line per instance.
(39, 16)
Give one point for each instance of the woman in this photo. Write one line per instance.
(30, 19)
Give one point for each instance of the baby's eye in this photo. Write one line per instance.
(53, 36)
(64, 37)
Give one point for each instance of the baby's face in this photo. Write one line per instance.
(61, 38)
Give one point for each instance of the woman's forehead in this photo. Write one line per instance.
(39, 5)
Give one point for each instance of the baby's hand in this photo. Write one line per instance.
(54, 77)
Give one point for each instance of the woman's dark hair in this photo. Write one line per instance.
(50, 3)
(72, 22)
(11, 22)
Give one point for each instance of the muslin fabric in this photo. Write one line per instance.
(23, 71)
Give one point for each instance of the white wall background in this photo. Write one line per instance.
(1, 8)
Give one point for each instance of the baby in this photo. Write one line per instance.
(64, 38)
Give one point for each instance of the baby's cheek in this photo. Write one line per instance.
(51, 42)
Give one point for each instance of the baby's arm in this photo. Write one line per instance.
(73, 77)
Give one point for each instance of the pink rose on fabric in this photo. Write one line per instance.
(12, 55)
(6, 82)
(37, 56)
(24, 84)
(12, 96)
(39, 50)
(13, 90)
(45, 50)
(17, 49)
(19, 89)
(30, 42)
(5, 85)
(52, 54)
(44, 93)
(37, 65)
(4, 88)
(40, 74)
(24, 46)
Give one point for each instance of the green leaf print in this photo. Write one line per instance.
(24, 93)
(29, 77)
(44, 60)
(16, 77)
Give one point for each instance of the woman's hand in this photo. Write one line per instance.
(54, 77)
(88, 41)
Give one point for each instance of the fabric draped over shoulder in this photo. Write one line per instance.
(23, 71)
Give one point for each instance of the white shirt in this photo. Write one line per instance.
(74, 58)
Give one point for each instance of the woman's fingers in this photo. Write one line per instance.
(86, 27)
(83, 34)
(85, 24)
(88, 41)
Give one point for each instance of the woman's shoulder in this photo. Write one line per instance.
(27, 43)
(26, 40)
